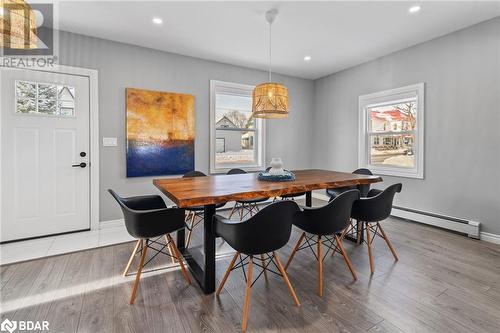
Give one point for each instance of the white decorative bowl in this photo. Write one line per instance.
(276, 167)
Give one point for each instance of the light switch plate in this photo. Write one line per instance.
(109, 142)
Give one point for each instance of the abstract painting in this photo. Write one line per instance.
(160, 133)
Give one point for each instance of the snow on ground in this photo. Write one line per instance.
(404, 161)
(231, 157)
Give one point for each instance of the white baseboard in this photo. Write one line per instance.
(468, 227)
(491, 238)
(111, 224)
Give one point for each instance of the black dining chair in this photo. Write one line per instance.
(291, 196)
(194, 214)
(370, 211)
(148, 219)
(260, 235)
(324, 226)
(363, 189)
(353, 229)
(245, 207)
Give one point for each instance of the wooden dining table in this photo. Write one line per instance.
(211, 190)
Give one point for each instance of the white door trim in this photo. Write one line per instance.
(92, 74)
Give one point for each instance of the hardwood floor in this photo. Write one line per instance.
(442, 283)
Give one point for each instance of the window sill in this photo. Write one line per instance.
(247, 169)
(395, 172)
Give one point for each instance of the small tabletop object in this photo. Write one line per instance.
(287, 176)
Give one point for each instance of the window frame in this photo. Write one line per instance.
(388, 97)
(231, 88)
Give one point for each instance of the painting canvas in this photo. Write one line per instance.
(160, 133)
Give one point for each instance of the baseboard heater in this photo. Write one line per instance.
(468, 227)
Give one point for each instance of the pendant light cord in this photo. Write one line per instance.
(270, 46)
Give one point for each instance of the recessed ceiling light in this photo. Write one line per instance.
(414, 9)
(157, 20)
(1, 12)
(307, 58)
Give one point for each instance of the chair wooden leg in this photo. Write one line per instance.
(349, 228)
(344, 232)
(139, 271)
(295, 249)
(389, 244)
(242, 210)
(285, 277)
(179, 258)
(170, 250)
(232, 210)
(226, 274)
(132, 256)
(359, 229)
(246, 302)
(344, 254)
(320, 267)
(190, 229)
(263, 262)
(368, 242)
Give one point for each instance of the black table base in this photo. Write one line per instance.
(359, 236)
(204, 273)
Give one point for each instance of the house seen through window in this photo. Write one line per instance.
(237, 136)
(396, 146)
(391, 131)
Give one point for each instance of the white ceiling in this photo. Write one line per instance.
(337, 35)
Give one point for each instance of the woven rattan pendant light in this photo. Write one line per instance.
(270, 99)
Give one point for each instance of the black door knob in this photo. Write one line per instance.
(81, 165)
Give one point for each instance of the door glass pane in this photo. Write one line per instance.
(45, 99)
(25, 105)
(392, 150)
(66, 100)
(395, 117)
(25, 90)
(47, 91)
(47, 106)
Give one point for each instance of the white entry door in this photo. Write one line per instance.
(44, 153)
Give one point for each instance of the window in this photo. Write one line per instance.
(236, 138)
(391, 133)
(45, 99)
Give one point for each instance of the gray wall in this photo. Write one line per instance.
(121, 66)
(462, 120)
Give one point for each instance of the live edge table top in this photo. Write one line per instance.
(199, 191)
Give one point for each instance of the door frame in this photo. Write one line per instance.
(92, 75)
